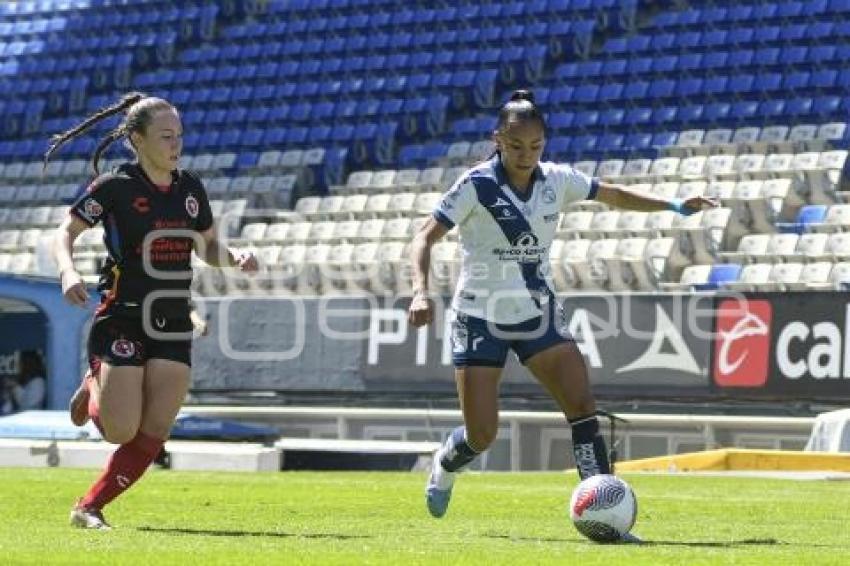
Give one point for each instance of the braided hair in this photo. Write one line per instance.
(139, 108)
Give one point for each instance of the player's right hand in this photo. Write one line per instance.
(73, 288)
(421, 309)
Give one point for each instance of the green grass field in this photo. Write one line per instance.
(380, 518)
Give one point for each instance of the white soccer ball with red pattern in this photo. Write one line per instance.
(603, 508)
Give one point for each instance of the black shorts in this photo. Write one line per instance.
(122, 341)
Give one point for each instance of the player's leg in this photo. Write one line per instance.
(478, 391)
(554, 359)
(561, 369)
(478, 357)
(118, 398)
(78, 407)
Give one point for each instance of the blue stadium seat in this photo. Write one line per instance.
(586, 120)
(772, 109)
(720, 275)
(799, 107)
(825, 107)
(612, 118)
(808, 216)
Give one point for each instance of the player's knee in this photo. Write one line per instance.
(120, 433)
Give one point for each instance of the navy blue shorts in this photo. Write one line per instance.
(478, 342)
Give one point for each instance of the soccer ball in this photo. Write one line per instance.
(603, 508)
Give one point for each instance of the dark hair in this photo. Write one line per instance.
(520, 108)
(139, 108)
(31, 365)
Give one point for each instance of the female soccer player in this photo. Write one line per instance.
(507, 210)
(154, 215)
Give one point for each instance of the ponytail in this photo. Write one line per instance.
(127, 103)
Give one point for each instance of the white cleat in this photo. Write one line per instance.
(85, 518)
(438, 492)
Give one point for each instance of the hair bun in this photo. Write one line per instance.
(523, 95)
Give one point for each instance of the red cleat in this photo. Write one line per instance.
(79, 405)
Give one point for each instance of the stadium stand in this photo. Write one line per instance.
(319, 145)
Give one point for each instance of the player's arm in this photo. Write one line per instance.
(421, 309)
(215, 253)
(620, 196)
(73, 287)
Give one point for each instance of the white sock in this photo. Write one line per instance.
(443, 478)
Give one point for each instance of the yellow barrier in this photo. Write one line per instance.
(740, 459)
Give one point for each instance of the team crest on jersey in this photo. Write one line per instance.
(123, 348)
(526, 239)
(92, 208)
(548, 195)
(192, 206)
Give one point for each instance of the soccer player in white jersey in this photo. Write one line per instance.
(507, 210)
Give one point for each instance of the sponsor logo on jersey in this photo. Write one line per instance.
(447, 204)
(192, 206)
(549, 218)
(142, 205)
(500, 202)
(92, 209)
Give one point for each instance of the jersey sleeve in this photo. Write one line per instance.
(456, 204)
(204, 221)
(575, 185)
(96, 202)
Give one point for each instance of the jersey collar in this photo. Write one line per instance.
(502, 177)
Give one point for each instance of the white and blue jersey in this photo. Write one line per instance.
(505, 237)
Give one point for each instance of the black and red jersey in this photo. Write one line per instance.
(141, 219)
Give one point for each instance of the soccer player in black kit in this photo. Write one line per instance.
(154, 215)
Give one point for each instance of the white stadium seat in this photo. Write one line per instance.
(378, 205)
(431, 179)
(330, 207)
(610, 168)
(693, 166)
(815, 276)
(832, 131)
(586, 167)
(717, 136)
(425, 203)
(277, 232)
(347, 231)
(575, 224)
(603, 225)
(383, 180)
(402, 204)
(746, 135)
(291, 159)
(690, 138)
(802, 133)
(811, 246)
(774, 134)
(308, 207)
(407, 178)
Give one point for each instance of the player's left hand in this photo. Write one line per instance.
(247, 262)
(698, 204)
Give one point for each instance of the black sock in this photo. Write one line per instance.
(457, 452)
(589, 447)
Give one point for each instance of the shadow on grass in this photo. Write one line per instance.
(692, 544)
(235, 533)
